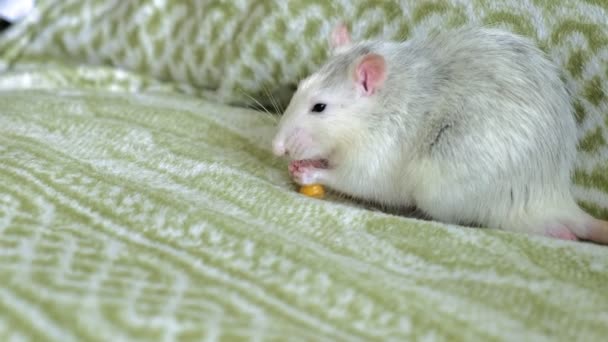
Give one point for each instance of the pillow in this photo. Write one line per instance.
(236, 49)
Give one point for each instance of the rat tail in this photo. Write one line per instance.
(570, 222)
(597, 231)
(586, 227)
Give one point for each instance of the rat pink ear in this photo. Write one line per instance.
(370, 73)
(340, 37)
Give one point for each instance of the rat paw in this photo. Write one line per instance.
(306, 172)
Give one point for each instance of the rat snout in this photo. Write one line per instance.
(278, 146)
(279, 143)
(295, 143)
(288, 142)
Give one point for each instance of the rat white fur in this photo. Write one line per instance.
(471, 126)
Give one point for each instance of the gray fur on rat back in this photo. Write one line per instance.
(472, 126)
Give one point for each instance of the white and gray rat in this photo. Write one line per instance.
(471, 126)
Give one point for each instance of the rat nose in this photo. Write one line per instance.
(278, 148)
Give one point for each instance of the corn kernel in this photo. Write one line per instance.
(314, 190)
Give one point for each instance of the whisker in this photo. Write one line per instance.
(282, 105)
(271, 99)
(278, 104)
(265, 110)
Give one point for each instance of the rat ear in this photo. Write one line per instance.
(340, 37)
(370, 73)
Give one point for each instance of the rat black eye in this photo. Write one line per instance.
(318, 107)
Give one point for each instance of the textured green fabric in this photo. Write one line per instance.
(130, 210)
(159, 216)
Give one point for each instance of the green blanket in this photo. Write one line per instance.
(140, 206)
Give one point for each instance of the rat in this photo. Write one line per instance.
(471, 126)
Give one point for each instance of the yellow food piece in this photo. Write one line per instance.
(314, 190)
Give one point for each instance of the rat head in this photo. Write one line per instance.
(328, 114)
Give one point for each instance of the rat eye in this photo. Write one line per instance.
(318, 107)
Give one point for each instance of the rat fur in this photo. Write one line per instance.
(471, 126)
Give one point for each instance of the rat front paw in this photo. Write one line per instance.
(306, 172)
